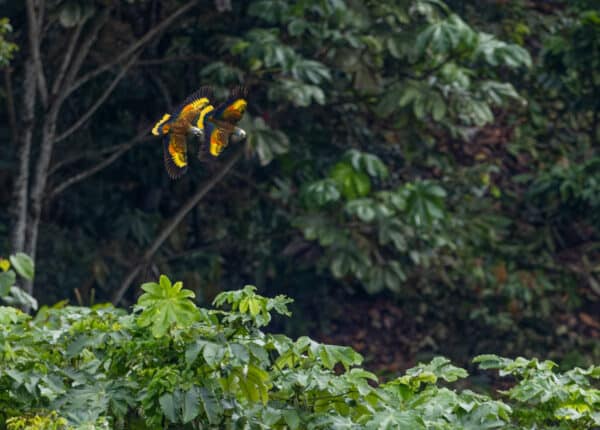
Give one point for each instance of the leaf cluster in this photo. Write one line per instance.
(84, 368)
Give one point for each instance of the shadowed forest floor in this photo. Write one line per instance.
(392, 340)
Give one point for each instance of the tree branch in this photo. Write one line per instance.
(175, 220)
(42, 9)
(67, 59)
(42, 87)
(83, 118)
(82, 53)
(173, 59)
(88, 154)
(96, 168)
(133, 47)
(34, 24)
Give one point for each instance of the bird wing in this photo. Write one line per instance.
(216, 138)
(175, 152)
(218, 124)
(162, 126)
(234, 107)
(195, 101)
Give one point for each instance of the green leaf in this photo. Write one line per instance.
(191, 404)
(292, 419)
(7, 280)
(192, 351)
(353, 184)
(490, 361)
(363, 209)
(168, 406)
(240, 352)
(438, 109)
(365, 162)
(254, 305)
(23, 264)
(266, 142)
(213, 353)
(10, 315)
(19, 297)
(395, 419)
(322, 192)
(165, 305)
(211, 405)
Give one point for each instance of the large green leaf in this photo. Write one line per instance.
(352, 183)
(7, 280)
(191, 404)
(23, 264)
(212, 406)
(164, 305)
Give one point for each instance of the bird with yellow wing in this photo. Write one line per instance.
(219, 125)
(215, 127)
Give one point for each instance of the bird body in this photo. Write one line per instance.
(198, 116)
(220, 123)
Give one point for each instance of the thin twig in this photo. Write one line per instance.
(173, 59)
(96, 168)
(204, 188)
(34, 45)
(83, 118)
(133, 47)
(42, 9)
(87, 154)
(82, 52)
(67, 59)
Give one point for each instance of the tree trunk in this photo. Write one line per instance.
(21, 185)
(39, 186)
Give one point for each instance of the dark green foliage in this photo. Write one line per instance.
(7, 49)
(86, 368)
(443, 155)
(9, 291)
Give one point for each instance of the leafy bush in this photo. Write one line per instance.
(9, 292)
(7, 49)
(170, 364)
(374, 236)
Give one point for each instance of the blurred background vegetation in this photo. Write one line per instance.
(422, 177)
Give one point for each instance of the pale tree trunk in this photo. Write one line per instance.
(21, 185)
(30, 84)
(39, 184)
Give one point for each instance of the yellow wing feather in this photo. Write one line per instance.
(203, 113)
(218, 141)
(175, 149)
(234, 112)
(156, 129)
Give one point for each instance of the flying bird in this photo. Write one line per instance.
(215, 127)
(219, 125)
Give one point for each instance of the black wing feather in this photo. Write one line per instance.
(173, 170)
(205, 91)
(236, 93)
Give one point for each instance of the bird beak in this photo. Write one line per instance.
(197, 132)
(238, 135)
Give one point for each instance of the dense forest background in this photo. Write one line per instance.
(422, 177)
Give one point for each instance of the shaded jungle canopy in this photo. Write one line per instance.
(419, 175)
